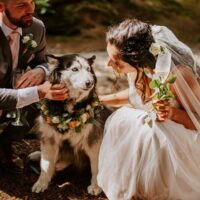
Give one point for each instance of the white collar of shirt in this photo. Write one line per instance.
(6, 30)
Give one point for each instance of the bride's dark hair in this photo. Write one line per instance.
(133, 38)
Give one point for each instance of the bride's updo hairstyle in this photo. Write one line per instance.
(133, 39)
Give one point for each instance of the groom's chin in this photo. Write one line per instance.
(26, 23)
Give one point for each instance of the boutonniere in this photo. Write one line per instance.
(29, 43)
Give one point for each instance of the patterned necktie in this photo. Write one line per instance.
(14, 47)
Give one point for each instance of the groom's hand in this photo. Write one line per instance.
(31, 78)
(57, 92)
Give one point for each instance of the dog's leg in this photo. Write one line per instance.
(93, 153)
(66, 156)
(49, 155)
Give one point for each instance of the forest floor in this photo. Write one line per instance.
(70, 184)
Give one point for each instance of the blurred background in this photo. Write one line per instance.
(89, 19)
(79, 26)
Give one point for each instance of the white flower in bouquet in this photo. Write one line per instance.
(96, 103)
(89, 107)
(84, 117)
(55, 120)
(161, 92)
(43, 107)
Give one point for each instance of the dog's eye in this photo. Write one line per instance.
(75, 69)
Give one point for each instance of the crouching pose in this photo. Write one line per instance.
(142, 156)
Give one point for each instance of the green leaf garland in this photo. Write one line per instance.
(87, 111)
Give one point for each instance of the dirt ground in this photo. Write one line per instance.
(70, 184)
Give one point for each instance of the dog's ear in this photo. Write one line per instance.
(55, 76)
(59, 58)
(91, 60)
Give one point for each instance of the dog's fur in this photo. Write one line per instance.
(60, 150)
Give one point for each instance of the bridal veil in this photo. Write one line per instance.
(179, 54)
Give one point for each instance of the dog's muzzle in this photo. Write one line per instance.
(89, 84)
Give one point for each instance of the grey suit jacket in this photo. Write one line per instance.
(31, 58)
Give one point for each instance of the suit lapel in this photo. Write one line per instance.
(20, 57)
(23, 57)
(5, 46)
(6, 59)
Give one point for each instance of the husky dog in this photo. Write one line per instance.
(59, 149)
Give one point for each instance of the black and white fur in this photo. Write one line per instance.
(60, 150)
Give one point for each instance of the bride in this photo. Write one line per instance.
(162, 160)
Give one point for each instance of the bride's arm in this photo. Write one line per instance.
(179, 115)
(116, 99)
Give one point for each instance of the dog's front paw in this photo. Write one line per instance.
(40, 186)
(94, 190)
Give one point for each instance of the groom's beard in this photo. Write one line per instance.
(24, 22)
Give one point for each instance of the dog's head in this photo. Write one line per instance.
(76, 72)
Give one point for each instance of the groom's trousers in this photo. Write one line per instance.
(15, 133)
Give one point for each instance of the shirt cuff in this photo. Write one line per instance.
(46, 71)
(27, 96)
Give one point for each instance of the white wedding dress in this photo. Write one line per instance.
(162, 162)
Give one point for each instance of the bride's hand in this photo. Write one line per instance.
(163, 110)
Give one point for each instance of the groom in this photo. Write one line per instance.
(17, 22)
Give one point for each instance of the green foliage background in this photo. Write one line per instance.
(90, 18)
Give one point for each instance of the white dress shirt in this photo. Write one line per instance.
(27, 96)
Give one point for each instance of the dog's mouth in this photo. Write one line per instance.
(88, 85)
(87, 89)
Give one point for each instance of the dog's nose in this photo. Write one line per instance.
(89, 84)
